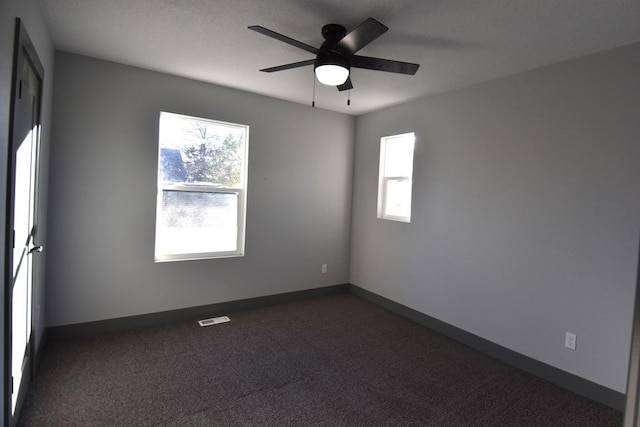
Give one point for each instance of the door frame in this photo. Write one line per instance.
(23, 50)
(632, 403)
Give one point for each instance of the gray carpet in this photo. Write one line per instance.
(330, 361)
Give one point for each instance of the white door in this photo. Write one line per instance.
(23, 167)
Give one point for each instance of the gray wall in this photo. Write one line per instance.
(526, 211)
(103, 193)
(29, 12)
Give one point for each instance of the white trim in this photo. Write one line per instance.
(241, 193)
(383, 180)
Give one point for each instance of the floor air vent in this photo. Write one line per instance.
(214, 321)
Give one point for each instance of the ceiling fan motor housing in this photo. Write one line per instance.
(328, 54)
(333, 33)
(331, 58)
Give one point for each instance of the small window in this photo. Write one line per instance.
(202, 180)
(395, 178)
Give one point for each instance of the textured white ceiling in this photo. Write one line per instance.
(457, 42)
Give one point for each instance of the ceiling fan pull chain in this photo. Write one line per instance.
(349, 97)
(313, 101)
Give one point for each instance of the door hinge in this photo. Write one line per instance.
(13, 239)
(11, 385)
(20, 89)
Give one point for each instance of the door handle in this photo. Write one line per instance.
(35, 249)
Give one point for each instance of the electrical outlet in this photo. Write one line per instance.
(570, 341)
(324, 269)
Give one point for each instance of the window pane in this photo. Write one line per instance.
(399, 156)
(197, 222)
(398, 198)
(201, 151)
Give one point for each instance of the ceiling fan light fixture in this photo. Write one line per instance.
(332, 69)
(332, 74)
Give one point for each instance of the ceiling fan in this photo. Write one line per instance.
(337, 55)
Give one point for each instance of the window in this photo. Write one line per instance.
(396, 170)
(202, 177)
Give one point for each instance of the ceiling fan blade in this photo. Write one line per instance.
(346, 85)
(285, 39)
(361, 36)
(289, 66)
(380, 64)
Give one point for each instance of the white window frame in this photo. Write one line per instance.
(384, 179)
(212, 189)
